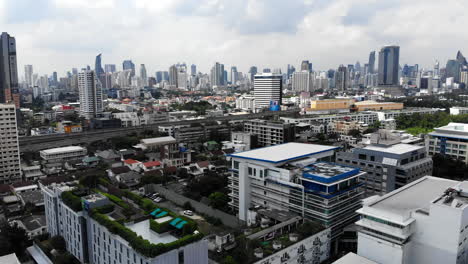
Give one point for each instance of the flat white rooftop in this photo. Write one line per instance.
(416, 195)
(283, 152)
(143, 229)
(62, 150)
(158, 140)
(395, 149)
(352, 258)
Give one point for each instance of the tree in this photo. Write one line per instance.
(13, 239)
(354, 133)
(228, 260)
(218, 200)
(58, 243)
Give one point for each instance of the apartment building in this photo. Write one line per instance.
(270, 133)
(343, 127)
(56, 155)
(425, 221)
(171, 153)
(297, 178)
(389, 164)
(9, 148)
(99, 238)
(451, 140)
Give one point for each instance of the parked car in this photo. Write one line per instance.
(188, 212)
(158, 199)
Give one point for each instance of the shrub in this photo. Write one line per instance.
(72, 201)
(105, 209)
(160, 227)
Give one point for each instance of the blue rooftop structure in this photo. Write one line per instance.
(328, 172)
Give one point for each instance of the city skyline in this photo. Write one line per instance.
(326, 33)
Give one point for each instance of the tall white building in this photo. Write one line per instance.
(297, 178)
(267, 87)
(425, 221)
(28, 75)
(90, 94)
(301, 81)
(9, 148)
(143, 75)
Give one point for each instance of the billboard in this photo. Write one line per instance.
(274, 106)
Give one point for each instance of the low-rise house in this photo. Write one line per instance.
(90, 161)
(151, 165)
(34, 225)
(130, 178)
(32, 173)
(5, 190)
(108, 156)
(134, 165)
(34, 197)
(113, 172)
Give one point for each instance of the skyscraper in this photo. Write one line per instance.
(193, 69)
(253, 71)
(28, 75)
(461, 59)
(9, 149)
(453, 70)
(268, 87)
(98, 66)
(341, 78)
(129, 65)
(436, 69)
(217, 74)
(143, 75)
(291, 70)
(371, 63)
(233, 77)
(173, 75)
(306, 66)
(301, 81)
(54, 78)
(9, 88)
(109, 68)
(90, 94)
(389, 59)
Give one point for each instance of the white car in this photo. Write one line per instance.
(188, 212)
(158, 200)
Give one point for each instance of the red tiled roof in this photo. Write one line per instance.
(152, 164)
(130, 161)
(203, 164)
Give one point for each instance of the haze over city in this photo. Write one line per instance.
(56, 35)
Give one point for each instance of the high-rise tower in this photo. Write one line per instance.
(9, 88)
(389, 59)
(90, 94)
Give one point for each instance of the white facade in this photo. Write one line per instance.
(451, 140)
(301, 81)
(9, 148)
(90, 94)
(245, 102)
(267, 88)
(63, 154)
(423, 222)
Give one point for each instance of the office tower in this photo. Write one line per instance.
(74, 71)
(437, 69)
(98, 66)
(306, 66)
(266, 70)
(301, 81)
(389, 59)
(9, 148)
(253, 72)
(28, 75)
(357, 66)
(291, 70)
(143, 75)
(109, 68)
(268, 88)
(296, 178)
(461, 59)
(217, 74)
(423, 222)
(372, 62)
(94, 234)
(54, 78)
(182, 78)
(9, 88)
(341, 78)
(165, 76)
(193, 69)
(173, 75)
(159, 76)
(129, 65)
(389, 163)
(452, 70)
(90, 94)
(233, 76)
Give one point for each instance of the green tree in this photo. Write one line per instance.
(218, 200)
(13, 239)
(228, 260)
(58, 243)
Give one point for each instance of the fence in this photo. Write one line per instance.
(227, 219)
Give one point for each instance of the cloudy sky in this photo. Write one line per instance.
(61, 34)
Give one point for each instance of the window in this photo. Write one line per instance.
(362, 156)
(372, 158)
(250, 171)
(404, 161)
(236, 165)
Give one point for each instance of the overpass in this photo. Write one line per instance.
(37, 143)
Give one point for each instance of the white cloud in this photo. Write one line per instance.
(61, 34)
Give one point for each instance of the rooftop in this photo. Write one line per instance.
(34, 222)
(454, 130)
(143, 229)
(63, 149)
(352, 258)
(395, 149)
(283, 152)
(328, 172)
(10, 258)
(130, 161)
(158, 140)
(416, 195)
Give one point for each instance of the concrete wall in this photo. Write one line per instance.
(227, 219)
